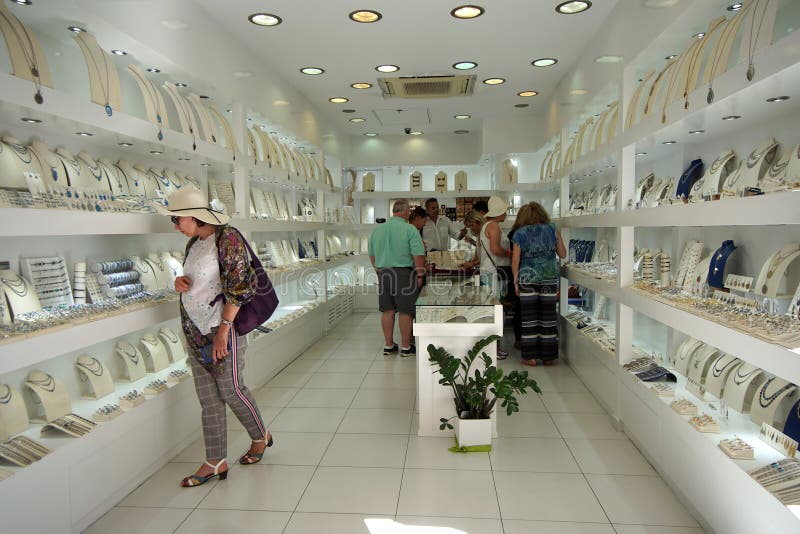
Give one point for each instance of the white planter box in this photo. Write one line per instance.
(471, 432)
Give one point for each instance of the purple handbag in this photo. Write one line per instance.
(256, 312)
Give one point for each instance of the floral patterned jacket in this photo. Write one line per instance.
(237, 280)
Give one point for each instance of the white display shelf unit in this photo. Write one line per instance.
(68, 112)
(422, 194)
(262, 225)
(261, 172)
(281, 278)
(604, 287)
(594, 365)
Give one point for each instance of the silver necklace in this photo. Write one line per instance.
(107, 87)
(134, 356)
(96, 171)
(28, 53)
(718, 372)
(48, 384)
(96, 368)
(171, 336)
(751, 42)
(740, 379)
(764, 400)
(19, 287)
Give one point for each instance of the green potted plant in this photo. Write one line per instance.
(475, 392)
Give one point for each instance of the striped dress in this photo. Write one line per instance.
(538, 290)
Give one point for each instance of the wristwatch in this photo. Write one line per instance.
(226, 322)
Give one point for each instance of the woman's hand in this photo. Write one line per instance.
(182, 284)
(221, 342)
(516, 287)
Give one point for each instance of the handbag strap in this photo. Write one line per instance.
(484, 247)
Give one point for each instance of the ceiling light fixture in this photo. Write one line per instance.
(694, 132)
(338, 100)
(731, 117)
(85, 134)
(264, 19)
(544, 62)
(370, 134)
(735, 7)
(494, 81)
(182, 84)
(778, 99)
(125, 144)
(387, 68)
(365, 16)
(669, 142)
(156, 152)
(528, 93)
(205, 165)
(76, 29)
(460, 132)
(415, 132)
(462, 117)
(204, 97)
(578, 92)
(119, 52)
(573, 7)
(671, 56)
(467, 12)
(312, 71)
(23, 2)
(464, 65)
(608, 59)
(30, 121)
(358, 119)
(699, 35)
(521, 105)
(641, 153)
(361, 85)
(153, 70)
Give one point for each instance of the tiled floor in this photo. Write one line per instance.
(347, 460)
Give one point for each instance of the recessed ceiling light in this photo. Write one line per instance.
(731, 117)
(693, 132)
(358, 119)
(125, 144)
(735, 7)
(365, 16)
(361, 85)
(312, 71)
(273, 133)
(153, 70)
(669, 142)
(264, 19)
(338, 100)
(462, 117)
(23, 2)
(671, 56)
(119, 52)
(182, 84)
(641, 153)
(387, 68)
(465, 65)
(204, 97)
(544, 62)
(778, 99)
(608, 59)
(699, 35)
(348, 111)
(242, 74)
(528, 93)
(30, 121)
(521, 105)
(573, 7)
(578, 92)
(205, 165)
(494, 81)
(371, 134)
(415, 132)
(184, 159)
(85, 134)
(461, 132)
(156, 152)
(467, 12)
(76, 29)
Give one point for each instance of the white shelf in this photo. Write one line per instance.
(281, 278)
(261, 172)
(364, 227)
(25, 222)
(25, 351)
(601, 220)
(69, 113)
(258, 225)
(768, 356)
(422, 194)
(604, 287)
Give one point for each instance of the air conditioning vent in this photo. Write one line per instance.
(427, 86)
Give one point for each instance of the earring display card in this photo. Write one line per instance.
(778, 440)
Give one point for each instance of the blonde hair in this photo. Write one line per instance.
(524, 218)
(474, 217)
(538, 214)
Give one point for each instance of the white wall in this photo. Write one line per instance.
(428, 149)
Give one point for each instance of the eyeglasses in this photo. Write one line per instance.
(175, 220)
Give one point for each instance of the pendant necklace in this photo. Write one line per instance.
(718, 372)
(765, 400)
(18, 286)
(185, 107)
(134, 356)
(777, 169)
(21, 151)
(107, 87)
(171, 336)
(751, 41)
(48, 384)
(96, 171)
(96, 368)
(152, 92)
(740, 379)
(43, 158)
(28, 53)
(5, 394)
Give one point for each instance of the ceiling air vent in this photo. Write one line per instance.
(427, 86)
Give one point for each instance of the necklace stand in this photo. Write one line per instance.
(227, 132)
(698, 370)
(153, 100)
(15, 160)
(22, 44)
(13, 413)
(753, 168)
(173, 344)
(147, 274)
(205, 119)
(78, 174)
(701, 274)
(104, 84)
(685, 354)
(149, 181)
(718, 374)
(53, 171)
(717, 173)
(185, 116)
(132, 360)
(92, 372)
(155, 353)
(94, 179)
(792, 425)
(174, 266)
(772, 402)
(742, 386)
(133, 177)
(116, 178)
(20, 295)
(769, 279)
(51, 394)
(164, 277)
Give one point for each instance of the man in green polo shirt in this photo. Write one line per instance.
(398, 256)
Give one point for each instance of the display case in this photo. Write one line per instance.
(454, 314)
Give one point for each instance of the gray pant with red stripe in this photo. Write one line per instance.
(228, 388)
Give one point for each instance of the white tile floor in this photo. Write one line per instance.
(346, 460)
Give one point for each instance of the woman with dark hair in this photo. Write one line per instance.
(535, 268)
(418, 218)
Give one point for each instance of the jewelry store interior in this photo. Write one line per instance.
(660, 136)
